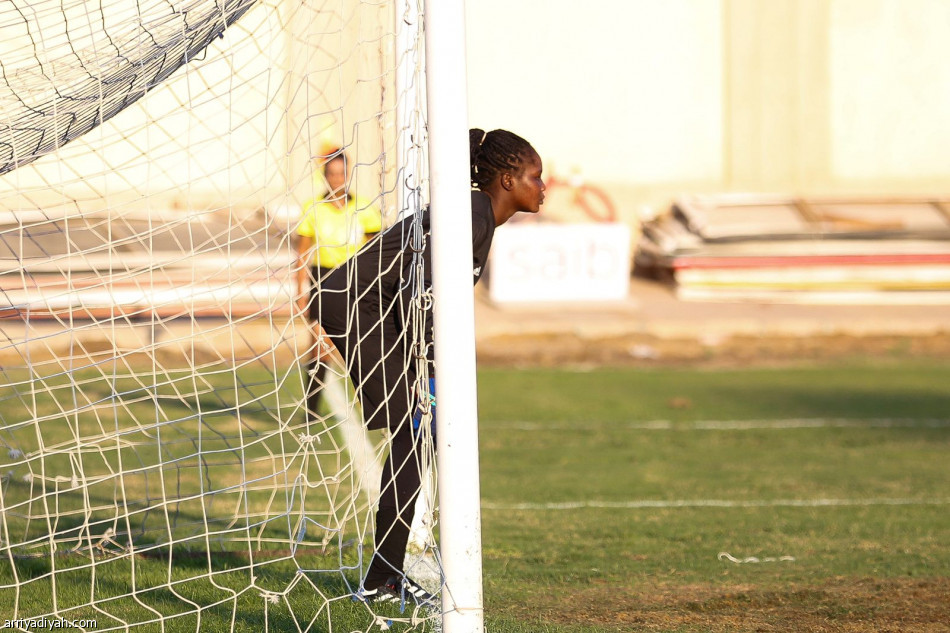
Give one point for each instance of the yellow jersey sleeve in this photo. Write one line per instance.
(369, 216)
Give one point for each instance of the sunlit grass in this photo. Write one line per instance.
(596, 486)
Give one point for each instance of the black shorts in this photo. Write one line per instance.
(376, 346)
(317, 273)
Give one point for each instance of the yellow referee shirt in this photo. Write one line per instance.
(338, 233)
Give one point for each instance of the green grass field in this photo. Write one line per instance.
(570, 458)
(610, 501)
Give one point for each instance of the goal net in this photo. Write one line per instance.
(159, 469)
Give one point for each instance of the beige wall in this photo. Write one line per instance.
(649, 99)
(890, 90)
(604, 86)
(652, 99)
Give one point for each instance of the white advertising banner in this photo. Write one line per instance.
(560, 263)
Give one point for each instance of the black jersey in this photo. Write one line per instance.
(366, 308)
(378, 283)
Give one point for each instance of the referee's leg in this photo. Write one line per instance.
(320, 352)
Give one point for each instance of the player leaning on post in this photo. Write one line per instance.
(366, 312)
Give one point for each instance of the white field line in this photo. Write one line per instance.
(716, 503)
(737, 425)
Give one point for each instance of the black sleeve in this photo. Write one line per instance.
(482, 221)
(483, 230)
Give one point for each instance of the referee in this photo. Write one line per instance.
(331, 231)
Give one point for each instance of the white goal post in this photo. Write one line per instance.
(454, 317)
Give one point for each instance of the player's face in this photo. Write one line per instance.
(528, 186)
(335, 172)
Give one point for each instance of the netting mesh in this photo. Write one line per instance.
(70, 66)
(159, 469)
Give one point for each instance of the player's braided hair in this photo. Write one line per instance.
(495, 152)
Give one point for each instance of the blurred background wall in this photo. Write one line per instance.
(652, 99)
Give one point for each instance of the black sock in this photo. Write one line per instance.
(392, 535)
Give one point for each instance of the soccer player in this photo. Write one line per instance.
(331, 231)
(366, 308)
